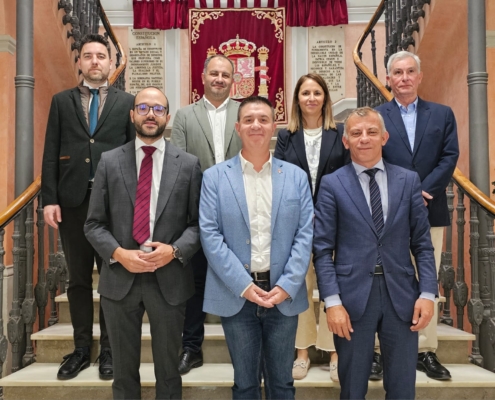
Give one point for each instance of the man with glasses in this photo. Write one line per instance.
(84, 122)
(205, 129)
(143, 221)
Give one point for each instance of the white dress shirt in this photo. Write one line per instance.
(258, 190)
(312, 143)
(158, 156)
(217, 118)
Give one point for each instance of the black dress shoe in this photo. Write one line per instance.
(74, 363)
(376, 368)
(428, 362)
(188, 360)
(106, 363)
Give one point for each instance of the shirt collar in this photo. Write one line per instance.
(159, 144)
(411, 107)
(86, 84)
(245, 163)
(360, 169)
(210, 106)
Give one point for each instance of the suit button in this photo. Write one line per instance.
(91, 140)
(371, 274)
(380, 245)
(248, 241)
(87, 160)
(246, 266)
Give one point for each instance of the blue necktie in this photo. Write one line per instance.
(93, 111)
(376, 206)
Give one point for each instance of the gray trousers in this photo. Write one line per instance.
(124, 320)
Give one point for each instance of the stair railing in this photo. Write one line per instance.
(401, 22)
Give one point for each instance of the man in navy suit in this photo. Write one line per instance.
(423, 138)
(369, 217)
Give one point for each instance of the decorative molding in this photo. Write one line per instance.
(362, 15)
(490, 38)
(344, 104)
(7, 44)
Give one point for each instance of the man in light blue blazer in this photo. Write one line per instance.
(256, 229)
(369, 218)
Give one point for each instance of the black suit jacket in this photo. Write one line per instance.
(70, 152)
(111, 215)
(333, 155)
(436, 150)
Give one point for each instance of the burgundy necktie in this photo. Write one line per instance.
(141, 226)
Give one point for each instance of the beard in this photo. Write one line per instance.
(96, 78)
(140, 131)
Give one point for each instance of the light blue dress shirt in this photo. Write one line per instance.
(409, 115)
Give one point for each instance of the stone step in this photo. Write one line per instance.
(55, 341)
(213, 381)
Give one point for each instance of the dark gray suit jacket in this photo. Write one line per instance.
(70, 151)
(111, 215)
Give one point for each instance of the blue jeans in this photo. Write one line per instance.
(261, 342)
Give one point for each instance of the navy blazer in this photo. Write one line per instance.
(435, 154)
(346, 244)
(333, 155)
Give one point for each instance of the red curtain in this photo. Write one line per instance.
(161, 14)
(174, 14)
(316, 12)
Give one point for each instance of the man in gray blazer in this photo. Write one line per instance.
(143, 221)
(207, 130)
(84, 122)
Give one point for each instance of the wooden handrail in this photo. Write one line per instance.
(473, 192)
(17, 205)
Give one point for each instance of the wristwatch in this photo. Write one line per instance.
(177, 253)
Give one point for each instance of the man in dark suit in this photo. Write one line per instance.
(146, 231)
(205, 129)
(369, 217)
(83, 122)
(423, 138)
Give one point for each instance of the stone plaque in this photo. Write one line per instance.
(326, 57)
(146, 62)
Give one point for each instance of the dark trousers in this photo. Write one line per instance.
(398, 345)
(80, 257)
(194, 328)
(125, 318)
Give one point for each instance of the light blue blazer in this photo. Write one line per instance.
(226, 238)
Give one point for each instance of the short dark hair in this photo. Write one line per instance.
(221, 56)
(92, 38)
(255, 100)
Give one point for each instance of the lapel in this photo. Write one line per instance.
(297, 140)
(350, 183)
(422, 118)
(328, 140)
(203, 122)
(278, 182)
(109, 103)
(229, 124)
(76, 98)
(233, 171)
(396, 118)
(127, 161)
(395, 184)
(170, 172)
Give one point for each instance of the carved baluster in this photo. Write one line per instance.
(390, 48)
(96, 16)
(373, 52)
(41, 289)
(446, 269)
(4, 344)
(490, 237)
(15, 326)
(66, 19)
(52, 277)
(387, 33)
(475, 305)
(368, 92)
(62, 266)
(460, 287)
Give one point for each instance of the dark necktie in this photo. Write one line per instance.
(376, 206)
(141, 225)
(93, 111)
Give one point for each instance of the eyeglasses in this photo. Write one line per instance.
(144, 109)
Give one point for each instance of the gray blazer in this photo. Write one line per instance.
(111, 214)
(192, 132)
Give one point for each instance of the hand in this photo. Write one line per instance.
(277, 295)
(423, 312)
(52, 215)
(131, 261)
(257, 295)
(161, 256)
(339, 322)
(426, 196)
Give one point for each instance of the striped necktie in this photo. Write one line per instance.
(376, 206)
(141, 225)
